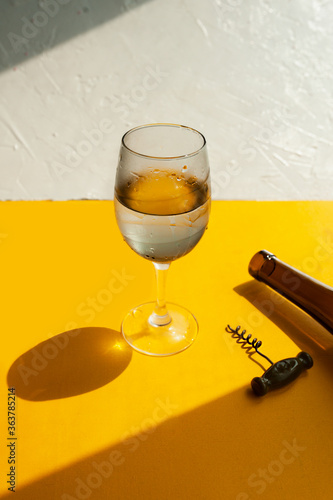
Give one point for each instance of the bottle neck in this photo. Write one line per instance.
(307, 293)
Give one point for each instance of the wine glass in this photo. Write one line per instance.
(162, 205)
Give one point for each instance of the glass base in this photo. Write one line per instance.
(164, 340)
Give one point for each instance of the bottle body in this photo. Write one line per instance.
(314, 297)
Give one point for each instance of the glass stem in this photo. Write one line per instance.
(160, 316)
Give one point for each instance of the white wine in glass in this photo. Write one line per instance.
(162, 204)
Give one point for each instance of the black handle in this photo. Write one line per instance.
(281, 373)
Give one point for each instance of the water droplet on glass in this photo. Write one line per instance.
(192, 180)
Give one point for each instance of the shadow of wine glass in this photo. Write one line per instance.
(69, 364)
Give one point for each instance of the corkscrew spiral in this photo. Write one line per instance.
(278, 374)
(255, 343)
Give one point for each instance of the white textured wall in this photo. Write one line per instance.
(255, 76)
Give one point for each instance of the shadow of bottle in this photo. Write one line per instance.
(307, 333)
(69, 364)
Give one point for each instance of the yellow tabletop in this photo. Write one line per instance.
(95, 419)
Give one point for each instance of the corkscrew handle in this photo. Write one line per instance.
(281, 373)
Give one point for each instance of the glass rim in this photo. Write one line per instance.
(187, 155)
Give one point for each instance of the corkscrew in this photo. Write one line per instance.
(278, 374)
